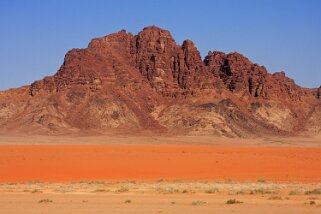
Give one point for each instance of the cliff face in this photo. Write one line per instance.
(128, 84)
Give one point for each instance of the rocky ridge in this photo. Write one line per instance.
(124, 83)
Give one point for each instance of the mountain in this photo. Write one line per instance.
(146, 83)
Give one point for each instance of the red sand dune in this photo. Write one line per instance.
(148, 162)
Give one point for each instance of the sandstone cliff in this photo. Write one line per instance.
(124, 83)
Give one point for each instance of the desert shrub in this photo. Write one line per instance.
(233, 201)
(261, 180)
(36, 191)
(211, 191)
(241, 192)
(294, 192)
(45, 201)
(170, 190)
(128, 201)
(92, 182)
(123, 189)
(185, 191)
(100, 190)
(313, 192)
(11, 183)
(197, 203)
(262, 191)
(275, 197)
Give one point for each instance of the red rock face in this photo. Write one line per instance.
(238, 74)
(132, 82)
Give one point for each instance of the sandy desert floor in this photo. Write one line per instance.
(159, 175)
(159, 197)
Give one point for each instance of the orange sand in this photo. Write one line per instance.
(149, 162)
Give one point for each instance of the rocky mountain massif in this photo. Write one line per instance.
(146, 83)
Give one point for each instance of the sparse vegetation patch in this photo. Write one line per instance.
(275, 197)
(123, 189)
(313, 192)
(261, 180)
(233, 201)
(45, 201)
(197, 203)
(212, 190)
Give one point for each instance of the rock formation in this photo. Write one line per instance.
(124, 83)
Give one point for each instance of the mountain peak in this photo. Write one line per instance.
(146, 81)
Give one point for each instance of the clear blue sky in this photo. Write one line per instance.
(279, 34)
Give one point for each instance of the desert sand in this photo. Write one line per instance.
(120, 174)
(147, 162)
(158, 197)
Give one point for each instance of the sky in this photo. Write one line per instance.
(282, 35)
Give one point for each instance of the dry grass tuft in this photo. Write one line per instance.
(313, 192)
(123, 189)
(197, 203)
(233, 201)
(212, 190)
(46, 201)
(275, 197)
